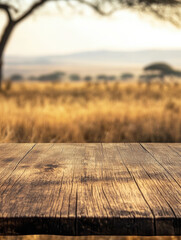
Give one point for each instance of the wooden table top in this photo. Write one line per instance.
(90, 189)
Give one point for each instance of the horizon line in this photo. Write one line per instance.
(98, 50)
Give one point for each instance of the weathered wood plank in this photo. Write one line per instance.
(11, 156)
(111, 194)
(89, 189)
(159, 189)
(169, 159)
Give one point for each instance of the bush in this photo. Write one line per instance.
(87, 78)
(149, 77)
(51, 77)
(16, 77)
(111, 78)
(74, 77)
(127, 76)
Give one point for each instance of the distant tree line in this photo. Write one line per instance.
(59, 76)
(152, 72)
(55, 76)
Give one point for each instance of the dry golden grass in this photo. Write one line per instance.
(90, 112)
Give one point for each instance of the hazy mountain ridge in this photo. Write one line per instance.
(143, 57)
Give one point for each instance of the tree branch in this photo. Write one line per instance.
(7, 9)
(97, 8)
(29, 11)
(41, 2)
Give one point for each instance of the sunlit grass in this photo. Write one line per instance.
(90, 112)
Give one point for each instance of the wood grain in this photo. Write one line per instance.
(90, 189)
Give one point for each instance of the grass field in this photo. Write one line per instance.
(90, 112)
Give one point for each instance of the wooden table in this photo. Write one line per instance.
(90, 189)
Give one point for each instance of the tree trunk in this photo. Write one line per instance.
(5, 37)
(1, 74)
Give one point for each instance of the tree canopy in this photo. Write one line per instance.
(162, 69)
(17, 10)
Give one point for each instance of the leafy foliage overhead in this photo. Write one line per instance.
(169, 10)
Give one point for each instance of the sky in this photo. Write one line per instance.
(56, 33)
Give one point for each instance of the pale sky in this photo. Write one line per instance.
(54, 34)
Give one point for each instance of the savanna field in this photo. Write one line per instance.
(90, 112)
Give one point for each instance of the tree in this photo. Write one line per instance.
(127, 76)
(87, 78)
(16, 77)
(101, 77)
(74, 77)
(111, 78)
(162, 67)
(148, 77)
(56, 76)
(160, 70)
(17, 11)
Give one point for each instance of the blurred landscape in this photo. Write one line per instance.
(90, 62)
(126, 97)
(71, 75)
(101, 111)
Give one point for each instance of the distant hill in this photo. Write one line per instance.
(102, 57)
